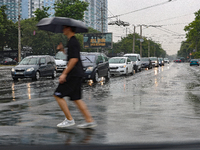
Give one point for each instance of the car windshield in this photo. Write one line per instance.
(144, 59)
(30, 61)
(132, 58)
(60, 56)
(166, 59)
(88, 58)
(153, 58)
(117, 60)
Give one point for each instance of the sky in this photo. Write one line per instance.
(172, 16)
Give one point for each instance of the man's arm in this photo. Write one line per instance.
(72, 62)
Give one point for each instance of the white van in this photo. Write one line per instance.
(135, 58)
(61, 60)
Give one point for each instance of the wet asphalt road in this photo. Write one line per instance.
(157, 105)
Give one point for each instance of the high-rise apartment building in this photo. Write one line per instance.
(34, 4)
(27, 8)
(12, 8)
(96, 15)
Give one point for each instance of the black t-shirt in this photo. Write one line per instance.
(74, 52)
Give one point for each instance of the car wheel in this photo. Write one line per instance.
(132, 72)
(140, 69)
(136, 69)
(96, 77)
(54, 74)
(15, 79)
(37, 75)
(108, 75)
(126, 71)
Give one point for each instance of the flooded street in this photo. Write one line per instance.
(157, 105)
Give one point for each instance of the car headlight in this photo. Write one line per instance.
(13, 69)
(30, 69)
(89, 68)
(156, 62)
(123, 66)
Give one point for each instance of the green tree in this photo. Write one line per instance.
(125, 45)
(41, 13)
(40, 41)
(3, 25)
(193, 30)
(70, 8)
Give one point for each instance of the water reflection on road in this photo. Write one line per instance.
(155, 105)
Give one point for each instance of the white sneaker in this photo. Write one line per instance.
(87, 125)
(66, 123)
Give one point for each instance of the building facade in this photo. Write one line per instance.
(34, 4)
(96, 15)
(12, 9)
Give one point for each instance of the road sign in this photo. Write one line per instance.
(97, 40)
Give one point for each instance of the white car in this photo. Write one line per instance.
(135, 58)
(166, 60)
(61, 61)
(120, 65)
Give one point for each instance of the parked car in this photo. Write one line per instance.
(35, 67)
(146, 63)
(194, 62)
(135, 58)
(161, 61)
(7, 61)
(121, 65)
(154, 61)
(166, 60)
(95, 65)
(61, 60)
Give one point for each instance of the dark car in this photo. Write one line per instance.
(95, 65)
(161, 61)
(154, 61)
(177, 61)
(146, 62)
(7, 61)
(35, 67)
(194, 62)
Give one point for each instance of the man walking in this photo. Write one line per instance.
(70, 83)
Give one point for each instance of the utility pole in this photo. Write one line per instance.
(134, 40)
(19, 33)
(101, 17)
(140, 40)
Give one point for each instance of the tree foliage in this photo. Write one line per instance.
(125, 45)
(70, 8)
(41, 13)
(192, 44)
(42, 42)
(8, 31)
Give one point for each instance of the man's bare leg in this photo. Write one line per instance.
(64, 107)
(83, 108)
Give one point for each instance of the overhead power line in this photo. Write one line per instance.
(142, 9)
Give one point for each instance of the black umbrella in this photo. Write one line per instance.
(55, 24)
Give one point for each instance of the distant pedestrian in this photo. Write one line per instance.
(70, 83)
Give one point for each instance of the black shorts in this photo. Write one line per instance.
(71, 88)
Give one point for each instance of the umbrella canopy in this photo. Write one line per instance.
(55, 24)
